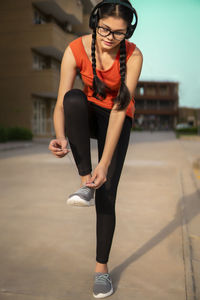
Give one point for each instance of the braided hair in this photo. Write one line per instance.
(99, 87)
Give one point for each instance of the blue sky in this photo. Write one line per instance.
(168, 34)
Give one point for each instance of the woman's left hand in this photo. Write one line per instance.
(98, 177)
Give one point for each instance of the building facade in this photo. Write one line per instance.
(156, 105)
(34, 36)
(189, 115)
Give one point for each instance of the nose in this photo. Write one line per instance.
(112, 34)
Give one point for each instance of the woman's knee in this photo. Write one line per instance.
(73, 97)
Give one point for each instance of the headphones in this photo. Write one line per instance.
(93, 21)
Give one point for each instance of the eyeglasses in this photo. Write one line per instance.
(105, 32)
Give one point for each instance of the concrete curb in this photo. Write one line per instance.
(190, 233)
(195, 244)
(14, 145)
(187, 248)
(11, 145)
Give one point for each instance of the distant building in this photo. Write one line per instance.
(156, 104)
(189, 115)
(34, 35)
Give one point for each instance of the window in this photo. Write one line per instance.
(35, 61)
(175, 90)
(68, 27)
(139, 104)
(39, 18)
(54, 64)
(141, 90)
(164, 90)
(165, 104)
(152, 104)
(53, 103)
(39, 116)
(39, 62)
(151, 90)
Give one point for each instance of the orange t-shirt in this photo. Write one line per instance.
(111, 77)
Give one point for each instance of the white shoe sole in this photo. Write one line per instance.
(77, 201)
(104, 295)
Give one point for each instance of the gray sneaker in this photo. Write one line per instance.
(102, 285)
(84, 196)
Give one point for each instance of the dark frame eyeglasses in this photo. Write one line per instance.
(116, 34)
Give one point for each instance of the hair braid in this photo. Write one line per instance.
(122, 60)
(98, 85)
(123, 96)
(93, 53)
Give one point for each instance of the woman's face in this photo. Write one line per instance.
(114, 24)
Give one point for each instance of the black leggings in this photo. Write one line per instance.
(85, 120)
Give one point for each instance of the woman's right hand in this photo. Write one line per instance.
(58, 147)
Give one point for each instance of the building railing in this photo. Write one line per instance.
(51, 38)
(63, 11)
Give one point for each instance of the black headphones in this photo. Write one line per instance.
(93, 21)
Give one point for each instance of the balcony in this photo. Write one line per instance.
(84, 27)
(49, 39)
(157, 97)
(161, 111)
(88, 6)
(156, 107)
(45, 83)
(62, 10)
(156, 90)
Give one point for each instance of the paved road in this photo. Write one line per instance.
(47, 248)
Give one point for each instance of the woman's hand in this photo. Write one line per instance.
(58, 147)
(99, 177)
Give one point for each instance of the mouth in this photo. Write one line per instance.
(108, 43)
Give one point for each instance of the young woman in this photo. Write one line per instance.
(110, 67)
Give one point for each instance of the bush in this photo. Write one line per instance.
(3, 134)
(136, 128)
(15, 134)
(186, 131)
(191, 130)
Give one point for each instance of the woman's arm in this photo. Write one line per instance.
(58, 146)
(67, 77)
(116, 120)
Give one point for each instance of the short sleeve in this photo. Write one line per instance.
(130, 47)
(75, 47)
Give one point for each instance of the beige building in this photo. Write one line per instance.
(34, 35)
(189, 115)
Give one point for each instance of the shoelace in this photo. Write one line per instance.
(85, 189)
(102, 278)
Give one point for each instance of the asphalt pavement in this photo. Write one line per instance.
(47, 248)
